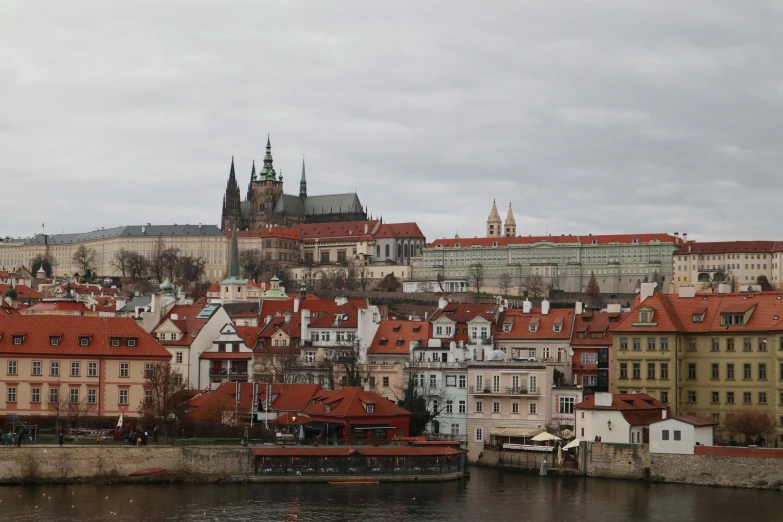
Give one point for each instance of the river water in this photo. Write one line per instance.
(489, 495)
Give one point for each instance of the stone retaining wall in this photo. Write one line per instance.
(200, 460)
(710, 470)
(627, 461)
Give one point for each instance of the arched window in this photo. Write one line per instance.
(387, 250)
(399, 250)
(378, 251)
(406, 250)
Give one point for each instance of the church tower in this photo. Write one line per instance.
(231, 211)
(267, 188)
(510, 226)
(233, 288)
(494, 225)
(303, 183)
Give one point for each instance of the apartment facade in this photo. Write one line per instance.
(75, 365)
(705, 355)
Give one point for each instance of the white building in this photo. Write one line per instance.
(680, 434)
(227, 360)
(618, 418)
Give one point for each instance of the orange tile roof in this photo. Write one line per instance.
(665, 317)
(60, 306)
(394, 337)
(463, 313)
(23, 292)
(520, 327)
(399, 230)
(37, 330)
(598, 322)
(319, 306)
(187, 323)
(729, 247)
(350, 401)
(348, 311)
(562, 239)
(344, 230)
(292, 328)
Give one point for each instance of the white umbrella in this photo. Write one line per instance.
(544, 436)
(573, 444)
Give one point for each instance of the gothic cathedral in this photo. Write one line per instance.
(266, 204)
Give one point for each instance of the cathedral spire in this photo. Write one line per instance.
(510, 225)
(303, 182)
(494, 225)
(232, 178)
(231, 200)
(268, 172)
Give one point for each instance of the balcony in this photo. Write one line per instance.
(506, 391)
(434, 365)
(222, 372)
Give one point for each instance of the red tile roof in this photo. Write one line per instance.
(292, 328)
(348, 312)
(394, 337)
(187, 323)
(664, 317)
(249, 335)
(319, 306)
(583, 240)
(729, 247)
(37, 330)
(341, 231)
(23, 292)
(520, 325)
(59, 306)
(399, 230)
(693, 421)
(280, 232)
(599, 322)
(350, 401)
(6, 310)
(463, 313)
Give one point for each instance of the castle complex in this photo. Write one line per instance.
(266, 204)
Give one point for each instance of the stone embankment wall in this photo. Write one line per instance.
(722, 466)
(627, 461)
(217, 461)
(36, 464)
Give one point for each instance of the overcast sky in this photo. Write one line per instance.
(589, 116)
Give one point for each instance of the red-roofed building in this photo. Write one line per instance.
(591, 342)
(64, 307)
(228, 360)
(187, 331)
(390, 352)
(23, 293)
(279, 244)
(618, 418)
(54, 362)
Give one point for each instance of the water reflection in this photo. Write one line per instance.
(489, 495)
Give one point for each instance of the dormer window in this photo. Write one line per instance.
(698, 318)
(53, 341)
(115, 342)
(370, 408)
(507, 327)
(383, 342)
(131, 343)
(580, 335)
(644, 317)
(328, 408)
(84, 341)
(533, 327)
(18, 339)
(732, 319)
(556, 328)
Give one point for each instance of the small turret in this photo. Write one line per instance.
(494, 224)
(303, 182)
(510, 226)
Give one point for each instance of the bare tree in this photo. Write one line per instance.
(389, 283)
(364, 277)
(504, 282)
(476, 277)
(426, 287)
(347, 367)
(593, 291)
(191, 268)
(155, 260)
(750, 423)
(423, 399)
(763, 282)
(171, 262)
(136, 265)
(252, 263)
(76, 411)
(121, 260)
(84, 259)
(165, 383)
(46, 260)
(535, 285)
(279, 364)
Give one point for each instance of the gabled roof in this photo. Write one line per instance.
(463, 313)
(596, 322)
(249, 334)
(278, 232)
(292, 328)
(23, 292)
(348, 316)
(520, 328)
(37, 330)
(689, 419)
(395, 337)
(187, 322)
(339, 231)
(665, 318)
(350, 401)
(398, 230)
(728, 247)
(59, 306)
(142, 301)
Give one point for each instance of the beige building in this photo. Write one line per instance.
(74, 366)
(705, 355)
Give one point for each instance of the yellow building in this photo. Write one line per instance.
(706, 355)
(75, 366)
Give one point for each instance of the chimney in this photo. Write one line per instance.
(684, 237)
(267, 319)
(723, 288)
(676, 234)
(287, 317)
(155, 304)
(296, 305)
(365, 228)
(663, 414)
(613, 308)
(544, 307)
(646, 290)
(175, 317)
(442, 303)
(603, 399)
(143, 230)
(578, 308)
(526, 306)
(305, 334)
(687, 292)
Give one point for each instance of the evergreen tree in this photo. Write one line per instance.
(593, 292)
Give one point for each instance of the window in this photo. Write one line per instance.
(664, 370)
(495, 407)
(746, 375)
(651, 370)
(637, 343)
(479, 406)
(729, 397)
(746, 344)
(116, 342)
(664, 434)
(385, 382)
(455, 429)
(11, 367)
(589, 358)
(462, 381)
(762, 372)
(36, 368)
(462, 407)
(691, 396)
(92, 369)
(92, 396)
(729, 345)
(178, 357)
(131, 343)
(148, 367)
(715, 344)
(746, 399)
(623, 370)
(691, 370)
(762, 345)
(433, 380)
(691, 345)
(730, 371)
(124, 369)
(762, 397)
(18, 339)
(496, 383)
(11, 394)
(479, 383)
(479, 435)
(84, 341)
(54, 341)
(532, 408)
(54, 369)
(715, 397)
(438, 330)
(74, 395)
(664, 344)
(677, 435)
(566, 405)
(35, 395)
(54, 395)
(624, 343)
(75, 369)
(123, 397)
(637, 370)
(651, 343)
(514, 407)
(715, 371)
(644, 317)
